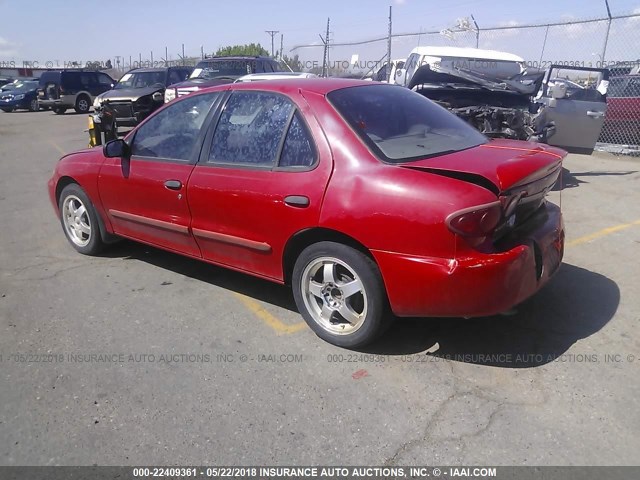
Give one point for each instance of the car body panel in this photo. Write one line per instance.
(238, 217)
(579, 116)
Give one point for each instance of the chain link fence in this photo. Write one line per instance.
(612, 43)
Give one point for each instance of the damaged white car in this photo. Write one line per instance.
(494, 92)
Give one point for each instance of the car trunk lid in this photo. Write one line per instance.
(504, 163)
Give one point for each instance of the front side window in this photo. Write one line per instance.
(173, 132)
(399, 125)
(104, 80)
(250, 129)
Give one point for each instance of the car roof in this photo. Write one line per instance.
(235, 57)
(149, 69)
(464, 52)
(321, 86)
(274, 76)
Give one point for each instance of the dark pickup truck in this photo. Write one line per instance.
(219, 70)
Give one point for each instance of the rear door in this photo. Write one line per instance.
(579, 116)
(145, 195)
(260, 179)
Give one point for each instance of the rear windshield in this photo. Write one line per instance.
(400, 125)
(49, 77)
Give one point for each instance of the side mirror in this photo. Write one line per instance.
(158, 97)
(558, 90)
(116, 149)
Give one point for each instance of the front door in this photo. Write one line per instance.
(260, 179)
(145, 195)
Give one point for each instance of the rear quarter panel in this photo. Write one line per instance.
(388, 207)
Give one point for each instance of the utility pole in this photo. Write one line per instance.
(273, 34)
(183, 54)
(281, 45)
(606, 38)
(325, 59)
(389, 66)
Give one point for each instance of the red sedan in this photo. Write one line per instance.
(367, 198)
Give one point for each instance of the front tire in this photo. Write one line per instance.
(7, 110)
(340, 293)
(79, 220)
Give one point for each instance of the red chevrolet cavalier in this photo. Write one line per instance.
(364, 197)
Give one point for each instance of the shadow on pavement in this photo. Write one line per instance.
(576, 304)
(262, 290)
(570, 179)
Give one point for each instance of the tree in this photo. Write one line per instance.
(249, 50)
(291, 62)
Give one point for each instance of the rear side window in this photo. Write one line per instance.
(298, 150)
(250, 129)
(399, 125)
(49, 77)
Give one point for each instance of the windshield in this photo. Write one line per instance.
(222, 68)
(26, 86)
(400, 125)
(141, 80)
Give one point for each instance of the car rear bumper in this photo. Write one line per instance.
(475, 285)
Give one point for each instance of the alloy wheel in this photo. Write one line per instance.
(334, 295)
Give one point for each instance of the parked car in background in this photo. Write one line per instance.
(257, 77)
(364, 197)
(139, 92)
(23, 95)
(64, 89)
(493, 63)
(622, 121)
(220, 70)
(493, 92)
(387, 73)
(12, 83)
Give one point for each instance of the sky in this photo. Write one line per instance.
(81, 30)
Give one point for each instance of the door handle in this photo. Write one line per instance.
(594, 114)
(299, 201)
(173, 184)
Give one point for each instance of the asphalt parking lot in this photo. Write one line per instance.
(144, 357)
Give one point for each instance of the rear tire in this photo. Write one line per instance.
(340, 293)
(58, 110)
(34, 106)
(83, 103)
(79, 220)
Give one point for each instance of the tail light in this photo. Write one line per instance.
(478, 221)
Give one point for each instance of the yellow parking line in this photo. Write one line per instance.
(269, 319)
(601, 233)
(57, 147)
